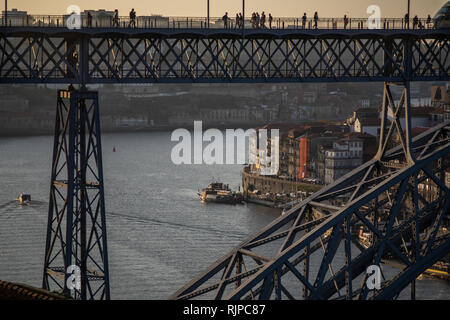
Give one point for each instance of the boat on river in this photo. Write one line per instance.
(24, 198)
(219, 192)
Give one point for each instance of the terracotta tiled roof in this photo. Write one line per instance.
(371, 122)
(438, 111)
(420, 111)
(367, 110)
(360, 135)
(418, 130)
(350, 138)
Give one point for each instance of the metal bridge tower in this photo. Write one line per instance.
(76, 246)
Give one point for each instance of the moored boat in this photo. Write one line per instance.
(220, 193)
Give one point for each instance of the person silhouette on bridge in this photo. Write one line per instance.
(225, 20)
(238, 22)
(89, 20)
(132, 18)
(263, 20)
(116, 18)
(345, 21)
(304, 20)
(406, 21)
(415, 22)
(421, 25)
(270, 20)
(316, 19)
(428, 21)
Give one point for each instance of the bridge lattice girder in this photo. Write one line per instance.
(108, 55)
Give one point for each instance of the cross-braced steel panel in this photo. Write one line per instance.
(76, 230)
(298, 56)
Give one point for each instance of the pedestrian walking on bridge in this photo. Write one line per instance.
(263, 20)
(415, 22)
(89, 20)
(132, 18)
(345, 21)
(116, 18)
(225, 20)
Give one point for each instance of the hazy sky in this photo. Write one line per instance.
(197, 8)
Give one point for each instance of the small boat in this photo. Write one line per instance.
(24, 198)
(220, 193)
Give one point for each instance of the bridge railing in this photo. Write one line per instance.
(107, 21)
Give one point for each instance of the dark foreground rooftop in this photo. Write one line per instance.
(16, 291)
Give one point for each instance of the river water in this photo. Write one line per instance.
(160, 235)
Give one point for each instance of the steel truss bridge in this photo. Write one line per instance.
(139, 55)
(399, 198)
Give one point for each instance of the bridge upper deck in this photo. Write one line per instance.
(226, 32)
(106, 54)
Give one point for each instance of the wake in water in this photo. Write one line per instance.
(35, 204)
(6, 204)
(181, 225)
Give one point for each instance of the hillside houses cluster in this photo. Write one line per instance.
(322, 152)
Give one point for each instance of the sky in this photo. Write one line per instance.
(197, 8)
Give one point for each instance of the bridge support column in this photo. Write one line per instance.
(393, 131)
(76, 254)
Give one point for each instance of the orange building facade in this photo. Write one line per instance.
(303, 170)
